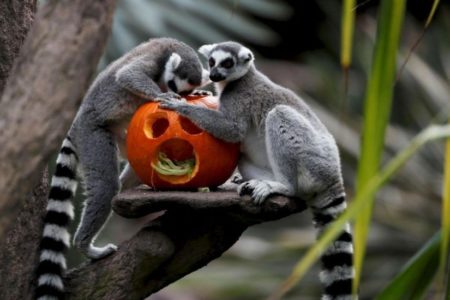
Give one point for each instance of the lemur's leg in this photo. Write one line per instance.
(280, 145)
(100, 167)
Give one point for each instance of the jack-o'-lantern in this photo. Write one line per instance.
(168, 151)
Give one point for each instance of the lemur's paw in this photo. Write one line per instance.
(101, 252)
(169, 96)
(171, 105)
(260, 193)
(201, 93)
(245, 188)
(259, 190)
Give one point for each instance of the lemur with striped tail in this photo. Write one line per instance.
(159, 68)
(285, 149)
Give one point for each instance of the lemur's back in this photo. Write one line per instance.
(262, 95)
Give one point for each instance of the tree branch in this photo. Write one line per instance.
(44, 90)
(196, 228)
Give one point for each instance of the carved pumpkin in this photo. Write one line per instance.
(167, 150)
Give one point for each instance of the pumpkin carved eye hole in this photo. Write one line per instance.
(189, 127)
(156, 125)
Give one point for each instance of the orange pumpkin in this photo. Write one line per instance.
(155, 133)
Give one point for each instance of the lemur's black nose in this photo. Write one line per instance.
(216, 77)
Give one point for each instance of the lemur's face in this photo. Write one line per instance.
(227, 61)
(183, 77)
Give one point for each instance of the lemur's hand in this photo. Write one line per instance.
(172, 105)
(169, 96)
(201, 93)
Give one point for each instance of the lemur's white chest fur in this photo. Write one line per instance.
(254, 147)
(254, 161)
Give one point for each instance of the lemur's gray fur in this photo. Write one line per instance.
(158, 69)
(285, 149)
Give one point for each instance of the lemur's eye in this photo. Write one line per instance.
(227, 63)
(211, 62)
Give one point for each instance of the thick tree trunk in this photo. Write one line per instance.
(16, 17)
(44, 90)
(19, 252)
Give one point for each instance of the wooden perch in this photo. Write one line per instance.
(196, 228)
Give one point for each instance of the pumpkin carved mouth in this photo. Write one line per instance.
(176, 161)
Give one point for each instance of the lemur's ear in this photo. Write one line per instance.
(205, 77)
(245, 55)
(205, 50)
(173, 62)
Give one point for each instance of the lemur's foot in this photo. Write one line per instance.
(169, 96)
(100, 252)
(237, 179)
(201, 93)
(257, 189)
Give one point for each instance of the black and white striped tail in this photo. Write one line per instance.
(337, 261)
(55, 237)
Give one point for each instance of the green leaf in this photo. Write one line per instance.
(348, 24)
(418, 273)
(432, 12)
(376, 115)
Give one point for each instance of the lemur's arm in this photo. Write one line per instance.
(214, 122)
(135, 78)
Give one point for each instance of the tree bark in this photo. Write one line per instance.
(19, 252)
(196, 229)
(16, 18)
(44, 90)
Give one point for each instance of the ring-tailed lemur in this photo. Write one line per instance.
(285, 149)
(158, 68)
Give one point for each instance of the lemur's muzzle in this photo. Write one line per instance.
(216, 76)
